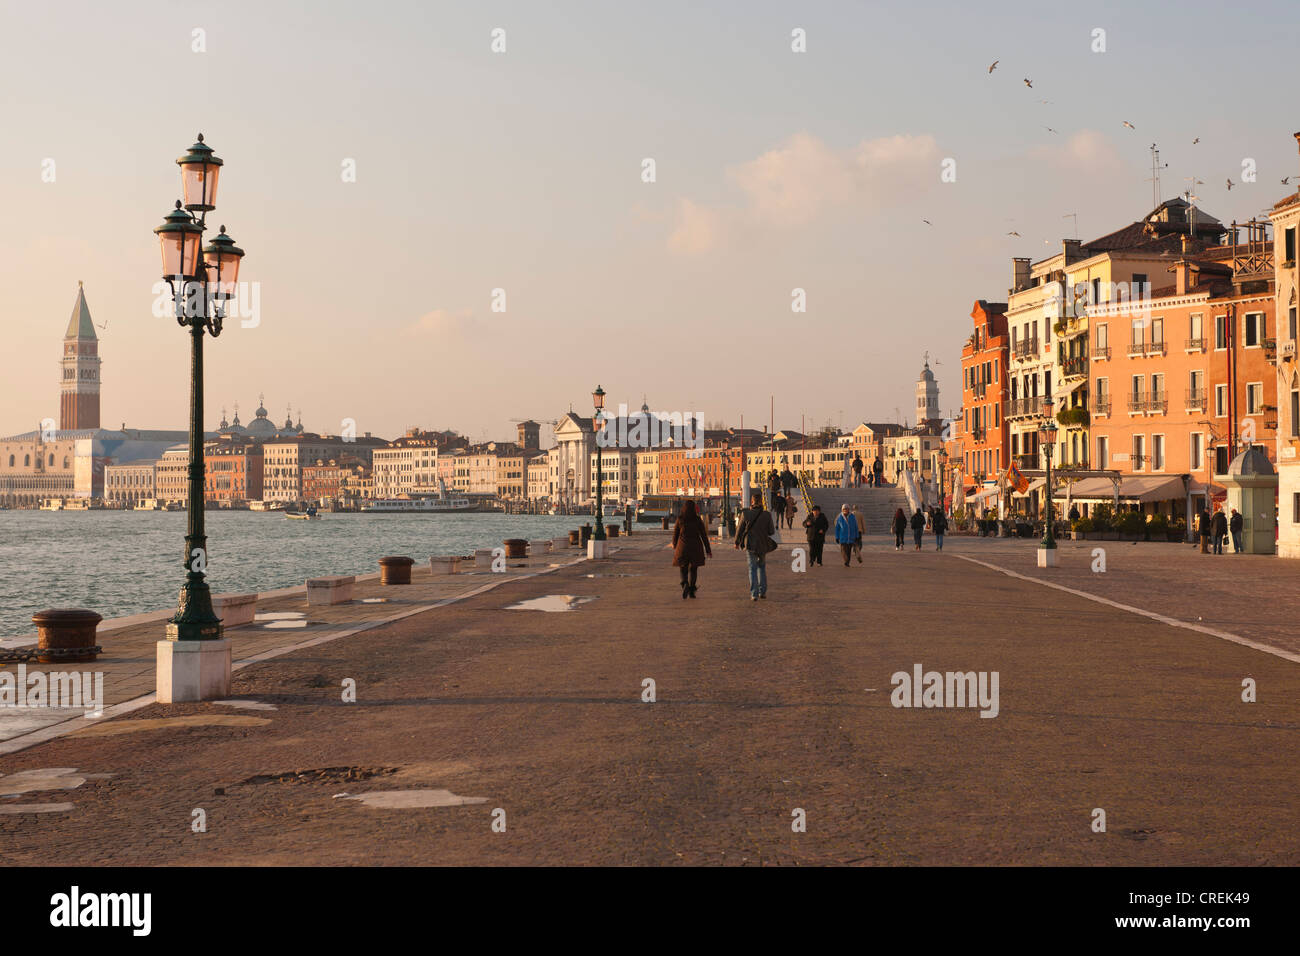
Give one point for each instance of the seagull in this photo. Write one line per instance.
(1230, 185)
(1129, 125)
(994, 65)
(1014, 233)
(105, 325)
(927, 222)
(1045, 102)
(1195, 141)
(1050, 130)
(1028, 83)
(1285, 180)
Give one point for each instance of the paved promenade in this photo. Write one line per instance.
(470, 714)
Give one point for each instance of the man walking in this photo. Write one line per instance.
(878, 472)
(1219, 530)
(918, 527)
(857, 470)
(1234, 525)
(788, 480)
(755, 536)
(939, 524)
(1203, 530)
(817, 526)
(846, 533)
(860, 518)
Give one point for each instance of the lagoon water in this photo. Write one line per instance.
(128, 562)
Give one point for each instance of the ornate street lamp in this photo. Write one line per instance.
(1047, 435)
(943, 476)
(726, 487)
(598, 400)
(200, 280)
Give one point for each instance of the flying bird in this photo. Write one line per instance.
(994, 65)
(105, 325)
(1028, 83)
(1014, 233)
(1230, 185)
(1285, 180)
(1195, 141)
(1050, 130)
(1129, 125)
(927, 222)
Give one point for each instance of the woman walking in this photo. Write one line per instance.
(939, 524)
(899, 528)
(918, 527)
(690, 545)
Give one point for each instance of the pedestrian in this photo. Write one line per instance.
(788, 480)
(918, 527)
(690, 546)
(857, 470)
(846, 533)
(861, 519)
(1074, 513)
(1234, 525)
(1203, 530)
(778, 508)
(755, 536)
(1219, 530)
(899, 527)
(790, 509)
(817, 526)
(773, 481)
(940, 525)
(878, 470)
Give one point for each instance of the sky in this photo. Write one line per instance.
(523, 171)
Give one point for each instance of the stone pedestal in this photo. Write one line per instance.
(1047, 557)
(595, 549)
(193, 670)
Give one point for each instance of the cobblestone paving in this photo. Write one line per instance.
(762, 708)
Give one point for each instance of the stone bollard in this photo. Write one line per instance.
(515, 547)
(586, 534)
(559, 544)
(539, 549)
(664, 522)
(612, 530)
(66, 635)
(483, 559)
(575, 538)
(441, 564)
(395, 570)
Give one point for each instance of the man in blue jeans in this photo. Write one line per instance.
(847, 533)
(755, 536)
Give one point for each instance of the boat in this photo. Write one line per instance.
(148, 504)
(51, 504)
(302, 515)
(428, 505)
(265, 506)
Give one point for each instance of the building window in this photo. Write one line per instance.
(1157, 452)
(1295, 413)
(1158, 334)
(1254, 398)
(1197, 452)
(1102, 340)
(1220, 332)
(1220, 401)
(1291, 322)
(1288, 244)
(1253, 329)
(1139, 451)
(1103, 451)
(1194, 331)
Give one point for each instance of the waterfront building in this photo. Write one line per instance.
(283, 459)
(647, 472)
(1285, 217)
(511, 478)
(232, 472)
(79, 400)
(695, 472)
(985, 360)
(128, 483)
(328, 482)
(538, 467)
(171, 475)
(37, 465)
(571, 459)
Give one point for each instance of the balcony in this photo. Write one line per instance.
(1023, 407)
(1137, 348)
(1101, 404)
(1025, 348)
(1156, 347)
(979, 389)
(1137, 403)
(1076, 367)
(1195, 345)
(1101, 352)
(1158, 403)
(1027, 461)
(1196, 399)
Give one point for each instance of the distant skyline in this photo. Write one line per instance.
(522, 171)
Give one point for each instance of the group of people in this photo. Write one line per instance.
(1216, 530)
(756, 535)
(874, 478)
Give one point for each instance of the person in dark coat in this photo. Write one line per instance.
(878, 472)
(1203, 531)
(778, 508)
(1234, 525)
(1074, 513)
(690, 545)
(1219, 530)
(857, 470)
(817, 526)
(899, 527)
(939, 524)
(755, 536)
(918, 527)
(788, 481)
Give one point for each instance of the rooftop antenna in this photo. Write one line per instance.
(1156, 166)
(1075, 217)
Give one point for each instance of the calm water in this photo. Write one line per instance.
(127, 562)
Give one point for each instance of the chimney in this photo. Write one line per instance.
(1182, 273)
(1073, 249)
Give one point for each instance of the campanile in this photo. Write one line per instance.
(79, 402)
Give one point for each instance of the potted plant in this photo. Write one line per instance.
(1177, 530)
(1082, 529)
(1130, 526)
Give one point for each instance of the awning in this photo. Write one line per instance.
(1139, 488)
(982, 495)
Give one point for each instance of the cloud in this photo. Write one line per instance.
(804, 179)
(1085, 151)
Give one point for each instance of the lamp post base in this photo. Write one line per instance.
(193, 670)
(1046, 557)
(595, 549)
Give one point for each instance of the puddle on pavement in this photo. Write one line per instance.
(280, 616)
(13, 808)
(56, 778)
(550, 602)
(115, 727)
(246, 704)
(373, 601)
(410, 799)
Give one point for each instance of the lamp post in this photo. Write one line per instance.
(1047, 435)
(726, 488)
(598, 400)
(943, 478)
(201, 279)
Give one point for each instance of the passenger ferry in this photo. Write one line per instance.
(148, 504)
(51, 504)
(419, 505)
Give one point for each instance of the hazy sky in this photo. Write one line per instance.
(523, 171)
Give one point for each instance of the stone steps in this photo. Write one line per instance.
(876, 505)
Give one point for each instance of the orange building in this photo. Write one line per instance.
(984, 362)
(232, 472)
(691, 471)
(327, 480)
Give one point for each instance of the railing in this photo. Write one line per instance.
(1137, 348)
(1020, 407)
(1196, 345)
(1196, 399)
(1101, 351)
(1101, 404)
(1076, 367)
(978, 389)
(1158, 402)
(1137, 402)
(1025, 348)
(1156, 347)
(1027, 461)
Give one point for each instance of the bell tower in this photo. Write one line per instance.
(79, 401)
